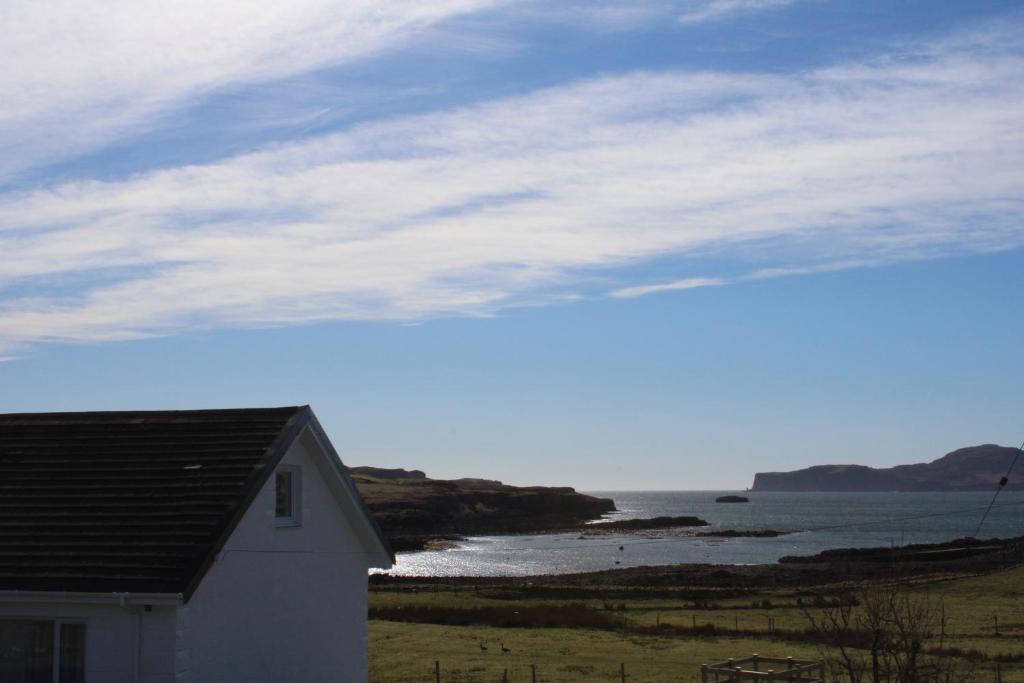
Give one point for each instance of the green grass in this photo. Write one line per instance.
(405, 652)
(558, 654)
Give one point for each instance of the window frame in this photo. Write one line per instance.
(295, 493)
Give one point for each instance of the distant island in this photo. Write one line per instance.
(732, 499)
(976, 468)
(414, 510)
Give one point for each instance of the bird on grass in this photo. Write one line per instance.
(504, 649)
(483, 648)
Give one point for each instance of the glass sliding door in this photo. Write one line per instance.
(71, 662)
(26, 651)
(32, 650)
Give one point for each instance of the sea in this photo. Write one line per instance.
(815, 522)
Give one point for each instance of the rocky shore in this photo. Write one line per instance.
(645, 524)
(415, 511)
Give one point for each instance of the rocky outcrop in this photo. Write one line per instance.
(412, 512)
(645, 523)
(977, 468)
(925, 552)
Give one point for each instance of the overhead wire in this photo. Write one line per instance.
(1002, 485)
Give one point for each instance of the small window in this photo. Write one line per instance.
(287, 502)
(31, 651)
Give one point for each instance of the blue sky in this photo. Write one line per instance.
(603, 244)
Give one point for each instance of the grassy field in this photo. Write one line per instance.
(658, 635)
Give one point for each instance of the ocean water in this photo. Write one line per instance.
(819, 521)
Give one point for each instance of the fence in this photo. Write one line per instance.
(736, 670)
(438, 672)
(523, 673)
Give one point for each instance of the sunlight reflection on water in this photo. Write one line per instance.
(868, 519)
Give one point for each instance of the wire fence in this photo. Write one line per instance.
(439, 672)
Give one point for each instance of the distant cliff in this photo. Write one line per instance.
(977, 468)
(413, 509)
(385, 473)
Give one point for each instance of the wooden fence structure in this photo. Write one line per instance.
(755, 668)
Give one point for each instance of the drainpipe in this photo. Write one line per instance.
(122, 601)
(138, 645)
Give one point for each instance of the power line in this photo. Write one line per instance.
(1002, 483)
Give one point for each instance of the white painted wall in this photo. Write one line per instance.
(115, 637)
(281, 604)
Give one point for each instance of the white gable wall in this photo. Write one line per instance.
(281, 604)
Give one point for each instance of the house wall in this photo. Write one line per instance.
(122, 644)
(281, 604)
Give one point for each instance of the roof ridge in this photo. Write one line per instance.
(175, 411)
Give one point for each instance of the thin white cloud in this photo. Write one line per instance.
(677, 285)
(760, 274)
(524, 199)
(79, 73)
(604, 15)
(717, 10)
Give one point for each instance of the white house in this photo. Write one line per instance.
(206, 546)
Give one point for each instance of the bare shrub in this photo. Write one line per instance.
(879, 634)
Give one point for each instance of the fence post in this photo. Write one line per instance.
(694, 617)
(504, 676)
(995, 620)
(622, 672)
(437, 671)
(703, 673)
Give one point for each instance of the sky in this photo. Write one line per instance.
(599, 243)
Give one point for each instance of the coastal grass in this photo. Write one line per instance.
(558, 654)
(660, 635)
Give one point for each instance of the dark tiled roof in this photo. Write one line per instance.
(129, 501)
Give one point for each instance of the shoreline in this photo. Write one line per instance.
(638, 528)
(959, 556)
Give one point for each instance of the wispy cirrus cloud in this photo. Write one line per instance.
(523, 199)
(80, 73)
(674, 286)
(717, 10)
(636, 291)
